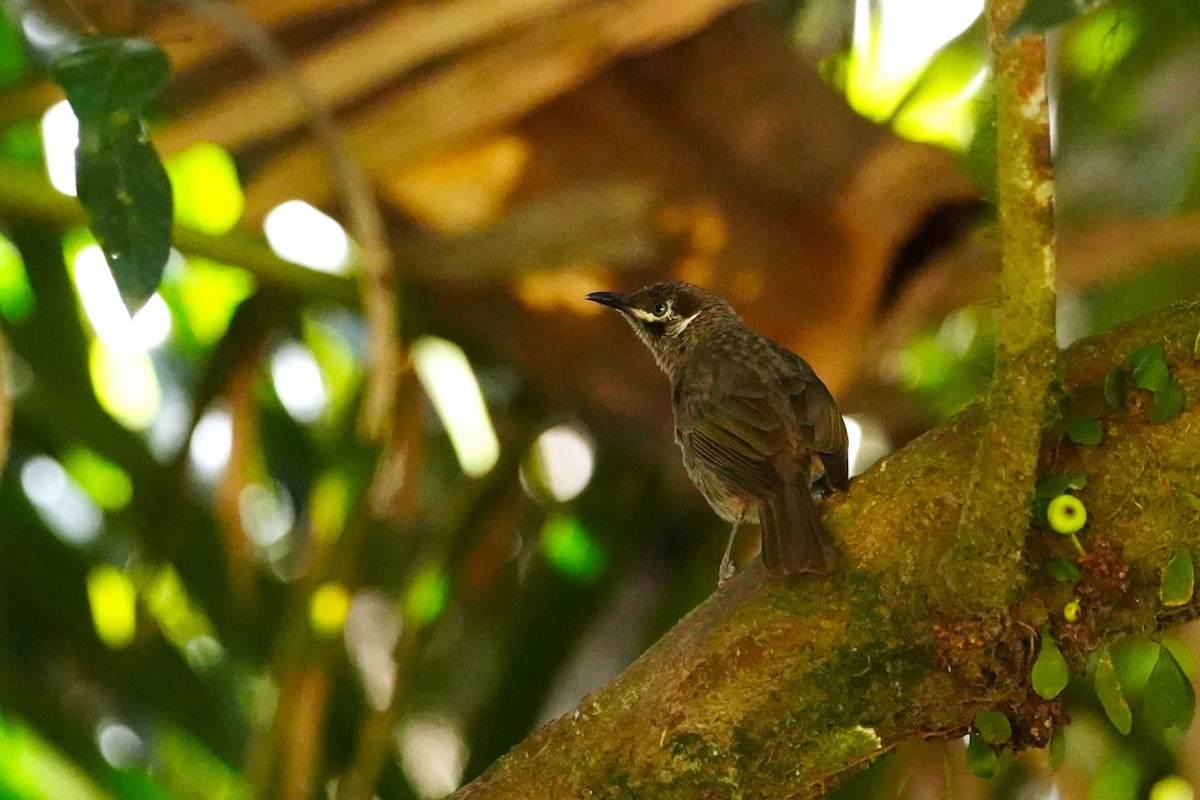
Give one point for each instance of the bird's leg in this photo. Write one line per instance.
(727, 565)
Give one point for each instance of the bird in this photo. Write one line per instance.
(759, 431)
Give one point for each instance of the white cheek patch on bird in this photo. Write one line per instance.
(679, 326)
(644, 316)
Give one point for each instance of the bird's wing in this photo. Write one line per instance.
(821, 424)
(737, 432)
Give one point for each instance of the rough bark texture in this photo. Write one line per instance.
(780, 689)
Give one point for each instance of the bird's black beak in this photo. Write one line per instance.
(610, 299)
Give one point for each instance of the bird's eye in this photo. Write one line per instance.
(660, 309)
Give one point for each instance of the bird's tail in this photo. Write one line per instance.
(793, 539)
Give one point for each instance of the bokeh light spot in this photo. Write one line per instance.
(565, 459)
(427, 596)
(329, 506)
(60, 137)
(101, 300)
(266, 513)
(67, 510)
(119, 744)
(448, 379)
(16, 296)
(113, 601)
(212, 443)
(328, 607)
(125, 384)
(304, 235)
(105, 482)
(298, 382)
(204, 183)
(569, 547)
(433, 754)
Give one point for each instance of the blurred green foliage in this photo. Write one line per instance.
(172, 574)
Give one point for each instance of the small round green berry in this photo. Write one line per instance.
(1066, 514)
(1071, 611)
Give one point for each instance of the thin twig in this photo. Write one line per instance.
(378, 280)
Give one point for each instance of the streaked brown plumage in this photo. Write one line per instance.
(757, 427)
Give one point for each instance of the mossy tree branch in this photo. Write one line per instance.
(780, 689)
(995, 516)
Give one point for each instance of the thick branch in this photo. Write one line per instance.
(779, 689)
(994, 520)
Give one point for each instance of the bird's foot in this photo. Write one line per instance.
(728, 568)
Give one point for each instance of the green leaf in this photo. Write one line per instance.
(1114, 388)
(1167, 404)
(120, 180)
(993, 726)
(981, 758)
(1152, 374)
(1196, 345)
(1085, 430)
(1057, 751)
(1147, 352)
(1170, 699)
(1042, 15)
(1050, 673)
(1053, 485)
(1178, 579)
(1134, 658)
(1112, 696)
(1061, 569)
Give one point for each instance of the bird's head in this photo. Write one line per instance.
(670, 317)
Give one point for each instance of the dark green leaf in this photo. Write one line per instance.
(1112, 696)
(1053, 485)
(1042, 15)
(1152, 374)
(121, 181)
(1167, 404)
(993, 726)
(1050, 673)
(1170, 699)
(1178, 579)
(1085, 430)
(981, 758)
(1147, 352)
(1062, 570)
(1057, 751)
(1114, 388)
